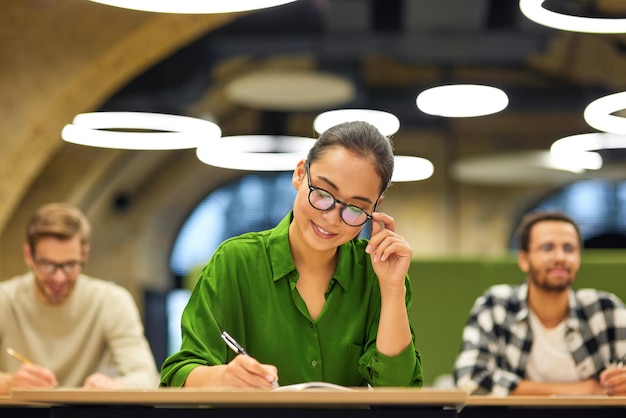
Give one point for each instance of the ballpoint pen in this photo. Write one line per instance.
(238, 348)
(233, 344)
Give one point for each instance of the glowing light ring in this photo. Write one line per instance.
(181, 132)
(534, 10)
(462, 100)
(193, 6)
(282, 153)
(386, 123)
(409, 168)
(598, 113)
(588, 142)
(255, 152)
(574, 161)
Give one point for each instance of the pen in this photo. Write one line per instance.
(238, 348)
(233, 344)
(24, 360)
(18, 356)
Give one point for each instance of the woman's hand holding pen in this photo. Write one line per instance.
(390, 253)
(246, 372)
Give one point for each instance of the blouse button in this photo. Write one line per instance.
(314, 363)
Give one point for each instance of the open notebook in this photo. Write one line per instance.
(312, 385)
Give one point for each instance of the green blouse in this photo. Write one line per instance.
(248, 289)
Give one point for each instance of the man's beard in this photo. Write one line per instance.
(53, 299)
(545, 284)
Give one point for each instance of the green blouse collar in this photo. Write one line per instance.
(282, 262)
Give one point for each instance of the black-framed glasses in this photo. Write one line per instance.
(323, 200)
(49, 267)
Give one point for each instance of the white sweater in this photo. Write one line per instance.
(97, 330)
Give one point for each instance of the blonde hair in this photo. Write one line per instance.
(59, 220)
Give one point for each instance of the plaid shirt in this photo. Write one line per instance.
(497, 338)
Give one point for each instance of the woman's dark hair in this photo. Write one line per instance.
(362, 139)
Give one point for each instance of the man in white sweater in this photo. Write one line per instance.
(71, 330)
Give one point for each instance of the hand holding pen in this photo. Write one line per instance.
(247, 369)
(613, 378)
(31, 375)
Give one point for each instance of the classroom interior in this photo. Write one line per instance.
(60, 58)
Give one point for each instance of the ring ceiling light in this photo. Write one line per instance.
(462, 100)
(598, 113)
(255, 152)
(169, 132)
(193, 6)
(588, 142)
(534, 10)
(386, 123)
(576, 162)
(282, 153)
(408, 168)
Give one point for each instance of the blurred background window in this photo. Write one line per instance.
(597, 206)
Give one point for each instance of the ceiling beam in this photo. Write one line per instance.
(444, 48)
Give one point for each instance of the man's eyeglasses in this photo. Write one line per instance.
(323, 200)
(49, 267)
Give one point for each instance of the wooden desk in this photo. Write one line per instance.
(360, 403)
(544, 406)
(161, 403)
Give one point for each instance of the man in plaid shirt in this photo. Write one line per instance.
(542, 337)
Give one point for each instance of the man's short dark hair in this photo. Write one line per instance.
(529, 220)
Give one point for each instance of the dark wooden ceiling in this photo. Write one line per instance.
(390, 50)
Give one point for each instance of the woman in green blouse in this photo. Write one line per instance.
(307, 299)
